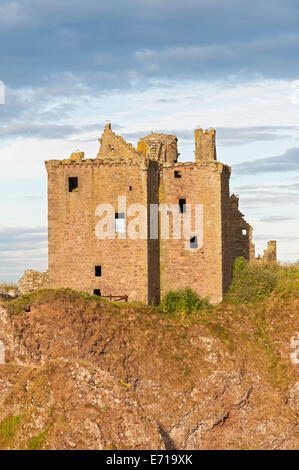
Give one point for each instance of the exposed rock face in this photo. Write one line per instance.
(89, 374)
(4, 295)
(89, 407)
(33, 280)
(9, 295)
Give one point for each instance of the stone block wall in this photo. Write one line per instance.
(33, 280)
(241, 233)
(74, 249)
(144, 269)
(199, 268)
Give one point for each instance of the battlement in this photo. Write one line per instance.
(155, 146)
(96, 162)
(205, 145)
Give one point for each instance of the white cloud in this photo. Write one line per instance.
(165, 105)
(22, 248)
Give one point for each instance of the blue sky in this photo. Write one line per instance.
(160, 65)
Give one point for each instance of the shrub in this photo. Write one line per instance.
(182, 302)
(252, 282)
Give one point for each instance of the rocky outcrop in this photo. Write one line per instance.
(9, 295)
(84, 373)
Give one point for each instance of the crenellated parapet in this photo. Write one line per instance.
(155, 146)
(96, 162)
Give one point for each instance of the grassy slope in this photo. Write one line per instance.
(136, 342)
(258, 329)
(6, 286)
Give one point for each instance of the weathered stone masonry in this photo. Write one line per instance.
(144, 269)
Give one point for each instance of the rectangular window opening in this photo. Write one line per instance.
(97, 292)
(98, 271)
(193, 242)
(130, 188)
(244, 231)
(73, 184)
(182, 204)
(120, 222)
(177, 174)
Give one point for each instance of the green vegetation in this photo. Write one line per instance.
(182, 302)
(185, 338)
(257, 313)
(6, 286)
(8, 429)
(58, 296)
(36, 442)
(251, 282)
(254, 282)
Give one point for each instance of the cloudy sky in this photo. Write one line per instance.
(160, 65)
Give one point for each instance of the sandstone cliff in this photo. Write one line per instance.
(84, 373)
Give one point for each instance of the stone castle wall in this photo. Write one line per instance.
(241, 232)
(143, 269)
(200, 269)
(74, 250)
(33, 280)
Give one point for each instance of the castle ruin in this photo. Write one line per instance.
(143, 269)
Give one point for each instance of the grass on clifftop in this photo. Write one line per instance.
(255, 322)
(6, 286)
(253, 282)
(58, 296)
(256, 319)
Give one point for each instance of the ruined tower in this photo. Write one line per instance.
(144, 268)
(205, 145)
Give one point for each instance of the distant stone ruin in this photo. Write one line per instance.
(270, 253)
(32, 281)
